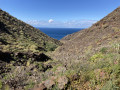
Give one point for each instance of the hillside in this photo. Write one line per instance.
(23, 54)
(92, 50)
(16, 33)
(102, 33)
(85, 60)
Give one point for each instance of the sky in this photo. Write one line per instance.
(59, 13)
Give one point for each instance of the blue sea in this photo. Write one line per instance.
(59, 33)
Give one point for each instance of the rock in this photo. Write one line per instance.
(62, 81)
(49, 83)
(60, 69)
(97, 87)
(53, 78)
(49, 73)
(19, 88)
(40, 87)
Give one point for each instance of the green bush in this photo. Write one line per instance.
(110, 86)
(103, 50)
(50, 46)
(30, 85)
(97, 56)
(0, 84)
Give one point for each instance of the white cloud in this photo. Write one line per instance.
(51, 20)
(65, 24)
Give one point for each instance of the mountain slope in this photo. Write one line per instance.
(92, 56)
(87, 60)
(16, 33)
(23, 54)
(104, 32)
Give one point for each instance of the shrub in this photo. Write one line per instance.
(55, 87)
(41, 68)
(50, 46)
(103, 50)
(31, 85)
(33, 47)
(0, 84)
(110, 86)
(96, 56)
(116, 29)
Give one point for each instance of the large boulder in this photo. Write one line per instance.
(49, 83)
(59, 70)
(40, 87)
(62, 82)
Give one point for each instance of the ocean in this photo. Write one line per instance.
(59, 33)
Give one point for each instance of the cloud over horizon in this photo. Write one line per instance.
(51, 20)
(65, 24)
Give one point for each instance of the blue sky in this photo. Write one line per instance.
(59, 13)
